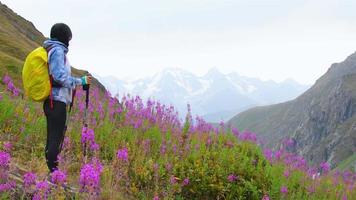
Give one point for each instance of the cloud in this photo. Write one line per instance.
(274, 39)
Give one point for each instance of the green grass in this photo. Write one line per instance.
(207, 166)
(348, 164)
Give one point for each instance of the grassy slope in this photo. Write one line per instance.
(267, 121)
(14, 41)
(207, 166)
(276, 122)
(26, 130)
(347, 163)
(18, 37)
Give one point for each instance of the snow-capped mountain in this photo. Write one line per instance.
(216, 96)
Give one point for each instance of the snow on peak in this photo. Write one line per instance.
(205, 93)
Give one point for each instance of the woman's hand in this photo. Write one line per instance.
(86, 80)
(89, 79)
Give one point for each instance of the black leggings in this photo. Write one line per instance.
(56, 119)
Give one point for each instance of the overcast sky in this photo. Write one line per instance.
(268, 39)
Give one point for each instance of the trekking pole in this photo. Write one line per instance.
(85, 122)
(86, 89)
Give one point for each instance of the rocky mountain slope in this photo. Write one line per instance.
(18, 37)
(215, 95)
(321, 122)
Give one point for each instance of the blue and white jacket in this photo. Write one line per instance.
(60, 70)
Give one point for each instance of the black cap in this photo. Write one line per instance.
(62, 33)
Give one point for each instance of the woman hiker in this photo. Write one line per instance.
(63, 84)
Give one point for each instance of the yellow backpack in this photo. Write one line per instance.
(35, 75)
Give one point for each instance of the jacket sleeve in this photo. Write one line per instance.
(58, 71)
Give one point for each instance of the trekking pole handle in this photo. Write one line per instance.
(86, 87)
(87, 97)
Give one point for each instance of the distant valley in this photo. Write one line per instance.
(215, 96)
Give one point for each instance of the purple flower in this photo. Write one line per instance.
(97, 165)
(325, 167)
(265, 197)
(155, 167)
(268, 154)
(312, 173)
(155, 197)
(43, 185)
(232, 178)
(347, 176)
(29, 179)
(209, 142)
(122, 154)
(286, 173)
(42, 190)
(7, 186)
(37, 197)
(248, 136)
(300, 163)
(87, 136)
(10, 85)
(58, 177)
(344, 197)
(186, 181)
(94, 146)
(278, 154)
(4, 159)
(235, 132)
(119, 110)
(289, 142)
(16, 91)
(6, 79)
(284, 189)
(163, 149)
(7, 146)
(222, 124)
(173, 180)
(168, 166)
(89, 179)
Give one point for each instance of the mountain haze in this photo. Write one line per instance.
(321, 122)
(215, 95)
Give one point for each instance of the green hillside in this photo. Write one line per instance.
(18, 37)
(142, 151)
(320, 122)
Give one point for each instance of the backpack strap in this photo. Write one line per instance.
(50, 93)
(50, 79)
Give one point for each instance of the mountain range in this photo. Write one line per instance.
(215, 96)
(321, 123)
